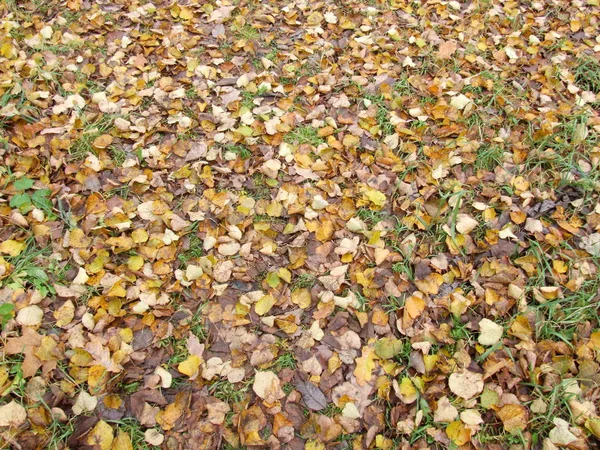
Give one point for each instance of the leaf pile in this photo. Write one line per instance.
(305, 225)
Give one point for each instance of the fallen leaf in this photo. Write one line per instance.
(30, 316)
(190, 366)
(447, 49)
(85, 403)
(154, 437)
(12, 415)
(490, 333)
(365, 365)
(101, 436)
(312, 396)
(514, 417)
(387, 348)
(267, 386)
(465, 384)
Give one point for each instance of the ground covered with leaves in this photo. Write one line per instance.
(299, 225)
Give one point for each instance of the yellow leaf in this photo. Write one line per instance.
(364, 366)
(101, 436)
(12, 247)
(593, 424)
(458, 433)
(122, 442)
(302, 298)
(560, 266)
(171, 414)
(430, 285)
(324, 231)
(190, 366)
(186, 13)
(520, 328)
(112, 401)
(594, 339)
(407, 391)
(377, 198)
(139, 236)
(65, 314)
(314, 445)
(97, 377)
(78, 239)
(273, 279)
(264, 305)
(414, 306)
(102, 141)
(135, 262)
(274, 209)
(514, 417)
(122, 243)
(285, 275)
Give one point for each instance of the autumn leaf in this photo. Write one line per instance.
(465, 384)
(365, 364)
(190, 366)
(215, 214)
(12, 415)
(514, 417)
(388, 348)
(101, 436)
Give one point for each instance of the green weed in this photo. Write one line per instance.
(304, 135)
(240, 150)
(285, 361)
(303, 281)
(227, 392)
(28, 269)
(488, 157)
(26, 200)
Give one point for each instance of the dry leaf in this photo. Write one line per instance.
(12, 415)
(466, 384)
(490, 333)
(312, 396)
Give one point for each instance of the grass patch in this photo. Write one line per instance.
(304, 135)
(82, 146)
(402, 86)
(21, 107)
(247, 32)
(371, 217)
(304, 281)
(176, 347)
(384, 125)
(404, 267)
(393, 304)
(193, 251)
(559, 319)
(240, 150)
(285, 361)
(227, 392)
(587, 74)
(488, 157)
(134, 429)
(248, 97)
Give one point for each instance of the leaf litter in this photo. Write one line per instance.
(299, 225)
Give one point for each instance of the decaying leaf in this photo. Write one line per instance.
(313, 397)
